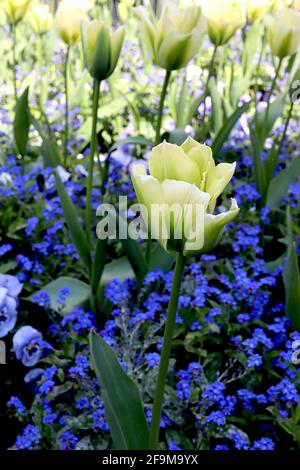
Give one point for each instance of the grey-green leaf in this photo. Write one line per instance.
(258, 167)
(119, 268)
(279, 185)
(133, 251)
(137, 140)
(22, 122)
(217, 111)
(50, 152)
(121, 397)
(161, 259)
(79, 293)
(227, 128)
(291, 279)
(265, 121)
(71, 218)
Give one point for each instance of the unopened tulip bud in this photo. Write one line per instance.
(68, 23)
(101, 48)
(175, 37)
(123, 9)
(256, 9)
(15, 9)
(223, 19)
(284, 32)
(39, 18)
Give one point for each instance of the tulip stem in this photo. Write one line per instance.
(287, 122)
(210, 72)
(161, 106)
(93, 146)
(14, 38)
(272, 90)
(66, 106)
(258, 66)
(165, 353)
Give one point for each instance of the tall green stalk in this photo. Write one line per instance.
(278, 68)
(258, 67)
(161, 106)
(287, 122)
(66, 105)
(14, 38)
(165, 353)
(93, 146)
(210, 72)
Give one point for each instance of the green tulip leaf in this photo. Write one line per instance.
(79, 293)
(224, 133)
(217, 111)
(181, 106)
(279, 185)
(121, 398)
(291, 279)
(7, 267)
(71, 218)
(193, 108)
(161, 259)
(177, 136)
(265, 121)
(138, 140)
(258, 167)
(50, 154)
(22, 122)
(119, 268)
(98, 264)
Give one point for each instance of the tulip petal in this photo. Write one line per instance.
(188, 205)
(150, 194)
(116, 42)
(217, 180)
(201, 154)
(171, 53)
(168, 161)
(195, 40)
(189, 19)
(147, 28)
(214, 228)
(101, 58)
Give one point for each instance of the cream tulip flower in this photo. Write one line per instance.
(223, 19)
(15, 9)
(39, 18)
(185, 178)
(101, 48)
(175, 37)
(284, 32)
(257, 9)
(68, 22)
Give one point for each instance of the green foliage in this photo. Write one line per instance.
(225, 131)
(279, 185)
(79, 293)
(291, 278)
(73, 223)
(121, 398)
(22, 122)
